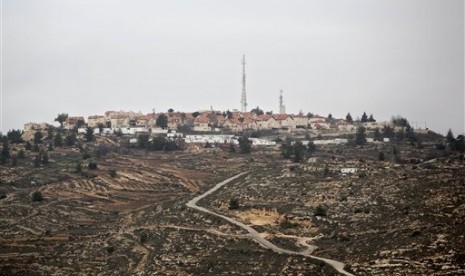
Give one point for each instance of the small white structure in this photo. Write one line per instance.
(262, 142)
(336, 141)
(159, 130)
(348, 170)
(386, 140)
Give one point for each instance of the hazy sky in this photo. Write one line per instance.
(85, 57)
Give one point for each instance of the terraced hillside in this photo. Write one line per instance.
(127, 217)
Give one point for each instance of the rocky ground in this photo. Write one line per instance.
(386, 219)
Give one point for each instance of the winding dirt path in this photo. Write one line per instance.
(253, 233)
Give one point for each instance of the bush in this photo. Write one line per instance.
(381, 156)
(112, 173)
(110, 249)
(288, 225)
(37, 196)
(143, 237)
(245, 145)
(320, 211)
(92, 166)
(232, 148)
(78, 168)
(233, 204)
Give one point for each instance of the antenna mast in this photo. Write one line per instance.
(244, 95)
(282, 108)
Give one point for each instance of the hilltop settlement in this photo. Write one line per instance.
(243, 193)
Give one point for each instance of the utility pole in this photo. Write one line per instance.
(244, 95)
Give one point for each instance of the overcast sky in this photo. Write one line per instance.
(85, 57)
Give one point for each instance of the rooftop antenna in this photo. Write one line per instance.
(244, 95)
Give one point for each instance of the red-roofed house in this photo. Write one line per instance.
(96, 120)
(284, 121)
(72, 122)
(202, 123)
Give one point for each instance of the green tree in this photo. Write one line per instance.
(399, 121)
(89, 134)
(349, 118)
(15, 136)
(170, 110)
(388, 132)
(35, 148)
(37, 196)
(360, 136)
(364, 118)
(58, 140)
(460, 143)
(257, 111)
(232, 148)
(45, 158)
(286, 150)
(245, 145)
(171, 145)
(14, 161)
(143, 141)
(78, 167)
(320, 211)
(299, 152)
(371, 119)
(5, 153)
(311, 148)
(377, 135)
(118, 132)
(195, 114)
(112, 173)
(71, 139)
(162, 121)
(38, 137)
(50, 133)
(381, 156)
(450, 137)
(80, 123)
(28, 146)
(61, 118)
(233, 204)
(158, 143)
(37, 160)
(100, 127)
(21, 154)
(310, 115)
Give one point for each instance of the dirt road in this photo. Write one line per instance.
(253, 234)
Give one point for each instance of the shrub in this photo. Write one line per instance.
(112, 173)
(288, 225)
(78, 168)
(143, 237)
(381, 156)
(93, 166)
(320, 211)
(37, 196)
(110, 249)
(232, 148)
(233, 204)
